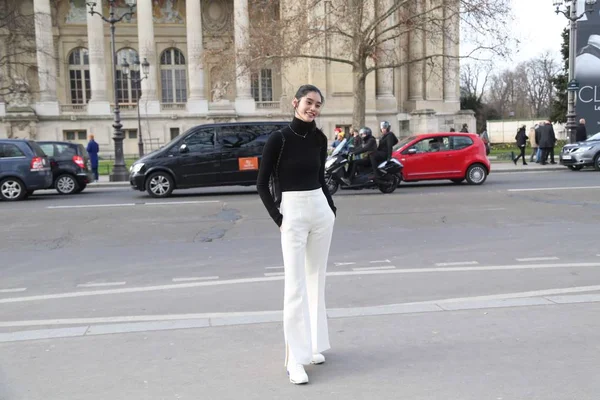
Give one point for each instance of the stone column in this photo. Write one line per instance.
(451, 51)
(98, 104)
(244, 103)
(416, 69)
(44, 41)
(385, 98)
(197, 102)
(149, 99)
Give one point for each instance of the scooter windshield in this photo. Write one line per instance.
(339, 148)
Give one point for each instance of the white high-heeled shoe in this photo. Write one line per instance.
(317, 358)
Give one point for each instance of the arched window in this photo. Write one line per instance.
(79, 76)
(173, 76)
(129, 89)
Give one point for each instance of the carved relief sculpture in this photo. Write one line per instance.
(219, 91)
(217, 16)
(20, 95)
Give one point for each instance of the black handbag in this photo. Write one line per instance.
(274, 186)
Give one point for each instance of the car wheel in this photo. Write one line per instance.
(159, 184)
(574, 167)
(390, 187)
(458, 181)
(476, 174)
(82, 187)
(597, 162)
(12, 189)
(332, 185)
(66, 184)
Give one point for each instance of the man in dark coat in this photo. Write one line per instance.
(93, 149)
(386, 145)
(581, 133)
(546, 142)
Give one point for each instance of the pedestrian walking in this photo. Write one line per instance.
(547, 142)
(465, 128)
(581, 133)
(303, 208)
(93, 149)
(521, 139)
(533, 142)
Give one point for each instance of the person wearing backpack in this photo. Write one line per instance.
(386, 146)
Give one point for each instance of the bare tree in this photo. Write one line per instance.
(369, 35)
(474, 79)
(507, 94)
(17, 45)
(538, 76)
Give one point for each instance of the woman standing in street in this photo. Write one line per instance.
(296, 157)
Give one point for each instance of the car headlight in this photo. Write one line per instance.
(582, 149)
(329, 162)
(135, 168)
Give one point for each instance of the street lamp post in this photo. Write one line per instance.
(570, 11)
(119, 173)
(125, 70)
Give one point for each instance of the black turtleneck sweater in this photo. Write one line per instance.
(302, 165)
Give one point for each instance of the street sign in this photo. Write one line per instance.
(573, 85)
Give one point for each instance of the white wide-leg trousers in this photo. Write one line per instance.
(305, 239)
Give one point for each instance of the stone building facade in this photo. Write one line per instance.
(70, 94)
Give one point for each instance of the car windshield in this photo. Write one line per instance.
(403, 142)
(339, 148)
(594, 137)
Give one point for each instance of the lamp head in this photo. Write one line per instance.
(125, 68)
(145, 67)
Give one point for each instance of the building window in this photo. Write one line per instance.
(174, 133)
(173, 76)
(130, 133)
(75, 135)
(79, 76)
(262, 85)
(129, 89)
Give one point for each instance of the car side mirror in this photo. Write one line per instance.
(412, 150)
(184, 149)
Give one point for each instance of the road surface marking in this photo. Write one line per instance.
(380, 261)
(537, 259)
(100, 284)
(92, 206)
(340, 264)
(275, 267)
(162, 203)
(193, 279)
(553, 188)
(15, 290)
(274, 274)
(450, 264)
(279, 277)
(141, 323)
(374, 268)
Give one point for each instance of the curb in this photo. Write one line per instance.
(494, 171)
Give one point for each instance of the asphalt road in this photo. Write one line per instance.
(199, 277)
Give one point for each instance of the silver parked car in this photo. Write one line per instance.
(582, 154)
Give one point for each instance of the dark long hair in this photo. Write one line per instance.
(306, 89)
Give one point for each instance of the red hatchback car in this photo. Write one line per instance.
(432, 156)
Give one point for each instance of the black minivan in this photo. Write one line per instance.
(206, 155)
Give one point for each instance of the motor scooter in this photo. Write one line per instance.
(390, 173)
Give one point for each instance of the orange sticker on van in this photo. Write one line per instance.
(248, 163)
